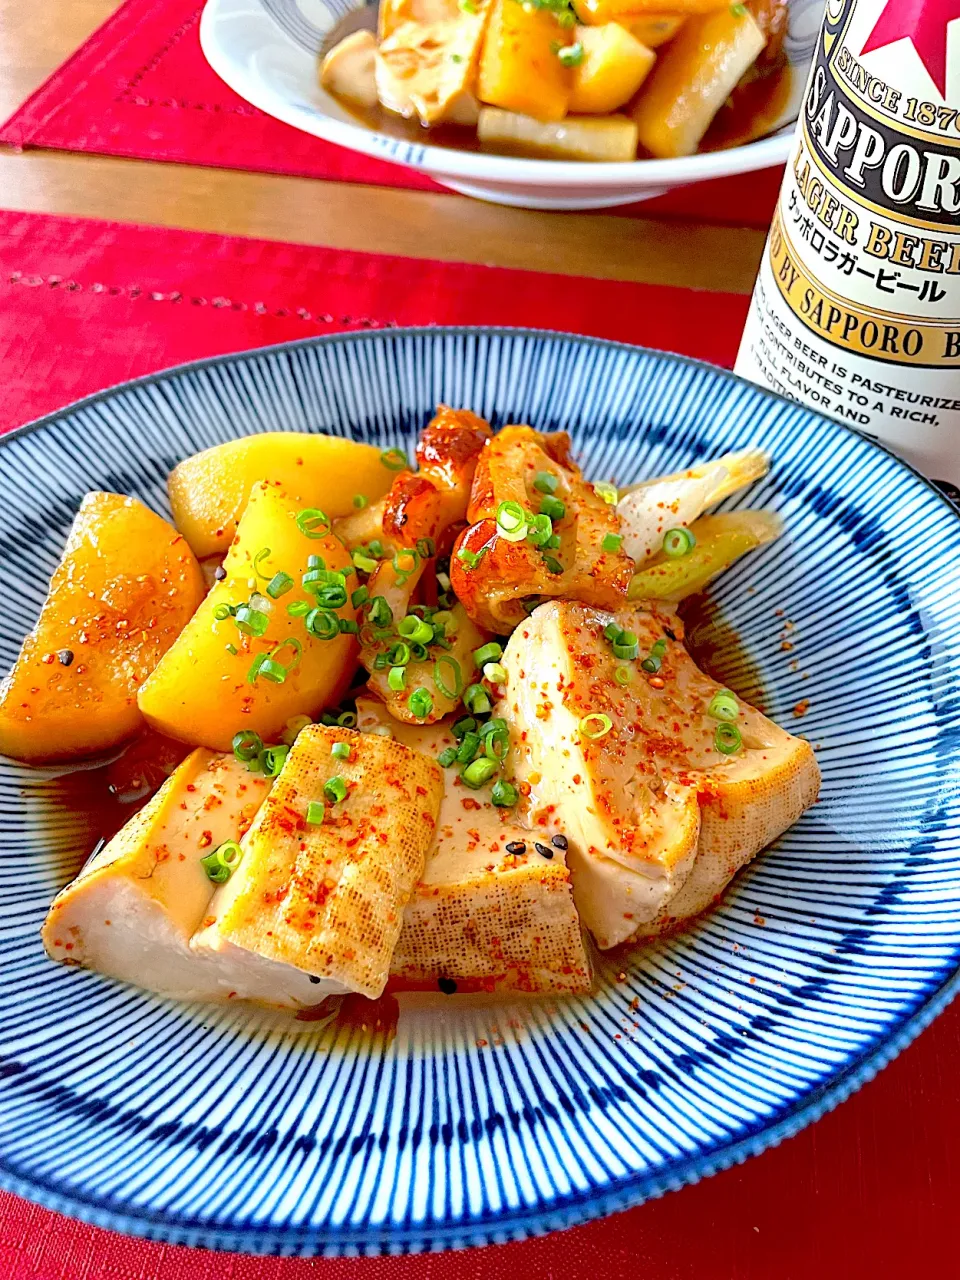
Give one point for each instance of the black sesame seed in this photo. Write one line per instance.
(669, 634)
(220, 573)
(447, 986)
(544, 850)
(559, 842)
(313, 979)
(65, 656)
(516, 846)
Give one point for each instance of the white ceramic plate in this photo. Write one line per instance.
(266, 51)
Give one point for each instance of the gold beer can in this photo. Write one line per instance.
(856, 308)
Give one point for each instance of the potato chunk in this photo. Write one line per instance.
(349, 69)
(614, 66)
(695, 75)
(124, 589)
(203, 693)
(325, 899)
(612, 138)
(519, 67)
(208, 492)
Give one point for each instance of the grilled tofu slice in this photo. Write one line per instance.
(651, 806)
(315, 908)
(131, 911)
(428, 69)
(481, 915)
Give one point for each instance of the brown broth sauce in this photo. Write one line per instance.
(748, 113)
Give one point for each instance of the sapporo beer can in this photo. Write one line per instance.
(856, 309)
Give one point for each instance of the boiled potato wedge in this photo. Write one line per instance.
(203, 694)
(610, 138)
(209, 491)
(613, 68)
(123, 591)
(651, 29)
(519, 67)
(693, 78)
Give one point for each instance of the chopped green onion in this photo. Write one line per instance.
(608, 492)
(403, 571)
(490, 652)
(335, 789)
(723, 706)
(545, 482)
(468, 747)
(611, 631)
(316, 812)
(553, 564)
(420, 703)
(347, 719)
(571, 55)
(426, 548)
(313, 523)
(504, 794)
(394, 459)
(447, 757)
(476, 699)
(511, 521)
(623, 675)
(539, 530)
(223, 611)
(275, 672)
(299, 608)
(232, 650)
(612, 542)
(726, 738)
(292, 729)
(247, 745)
(359, 597)
(397, 679)
(258, 559)
(341, 750)
(363, 563)
(348, 626)
(454, 688)
(254, 671)
(360, 500)
(652, 663)
(626, 646)
(478, 772)
(272, 759)
(496, 746)
(495, 725)
(659, 649)
(446, 621)
(322, 624)
(468, 6)
(398, 655)
(419, 652)
(678, 542)
(471, 558)
(595, 726)
(381, 662)
(279, 585)
(415, 629)
(738, 10)
(316, 562)
(251, 622)
(552, 543)
(463, 726)
(221, 864)
(552, 507)
(380, 613)
(495, 672)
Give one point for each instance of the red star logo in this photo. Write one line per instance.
(924, 23)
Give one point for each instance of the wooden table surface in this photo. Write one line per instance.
(35, 38)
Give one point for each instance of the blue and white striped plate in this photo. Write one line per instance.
(484, 1122)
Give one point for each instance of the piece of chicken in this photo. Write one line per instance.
(480, 915)
(649, 509)
(651, 804)
(349, 69)
(133, 908)
(315, 906)
(419, 511)
(497, 579)
(428, 69)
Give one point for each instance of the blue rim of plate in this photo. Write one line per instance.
(569, 1210)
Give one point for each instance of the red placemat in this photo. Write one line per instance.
(140, 87)
(868, 1192)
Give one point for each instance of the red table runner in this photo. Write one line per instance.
(140, 87)
(871, 1190)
